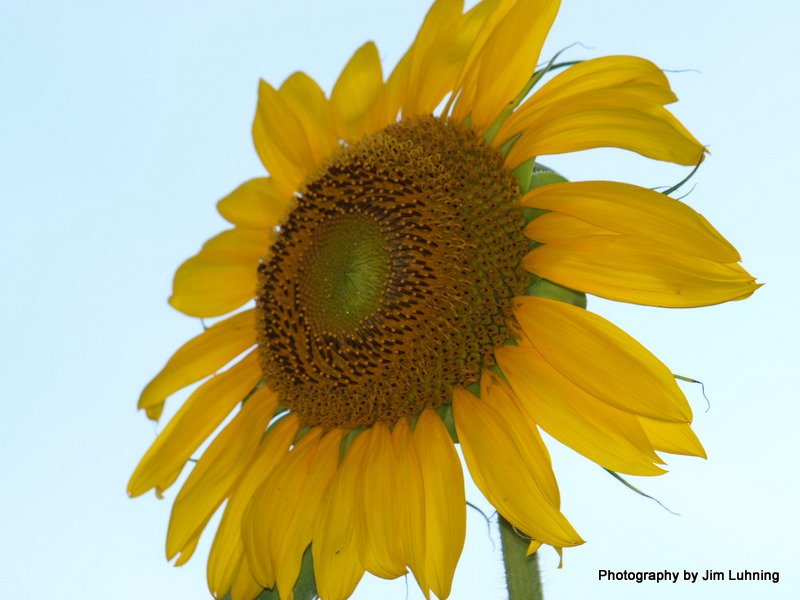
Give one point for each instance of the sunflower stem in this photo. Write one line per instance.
(523, 579)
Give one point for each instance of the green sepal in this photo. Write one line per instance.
(685, 180)
(496, 369)
(529, 214)
(301, 433)
(281, 413)
(304, 589)
(348, 440)
(524, 173)
(269, 594)
(532, 175)
(544, 176)
(306, 586)
(543, 288)
(446, 413)
(702, 387)
(512, 106)
(260, 384)
(631, 487)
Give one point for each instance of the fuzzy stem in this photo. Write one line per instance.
(523, 579)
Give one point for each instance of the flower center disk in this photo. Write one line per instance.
(391, 280)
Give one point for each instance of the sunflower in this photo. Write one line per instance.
(416, 286)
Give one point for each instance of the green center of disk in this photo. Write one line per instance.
(343, 273)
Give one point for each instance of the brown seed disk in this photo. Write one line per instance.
(391, 278)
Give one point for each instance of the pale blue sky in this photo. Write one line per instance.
(122, 123)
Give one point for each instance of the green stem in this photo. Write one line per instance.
(522, 572)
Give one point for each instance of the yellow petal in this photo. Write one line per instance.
(280, 140)
(605, 74)
(199, 358)
(314, 113)
(612, 101)
(675, 438)
(557, 227)
(377, 527)
(321, 470)
(278, 523)
(412, 508)
(635, 211)
(165, 484)
(601, 359)
(394, 93)
(506, 470)
(227, 552)
(638, 271)
(262, 540)
(222, 276)
(220, 466)
(651, 133)
(244, 586)
(508, 59)
(489, 14)
(438, 55)
(602, 433)
(257, 204)
(445, 504)
(188, 549)
(501, 398)
(358, 94)
(533, 547)
(588, 124)
(337, 568)
(200, 415)
(415, 85)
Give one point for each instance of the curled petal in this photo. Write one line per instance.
(608, 122)
(605, 74)
(200, 415)
(220, 466)
(198, 358)
(615, 101)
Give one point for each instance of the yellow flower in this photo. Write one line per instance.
(407, 276)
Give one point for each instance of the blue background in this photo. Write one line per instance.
(122, 123)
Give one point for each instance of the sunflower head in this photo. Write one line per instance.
(400, 263)
(391, 279)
